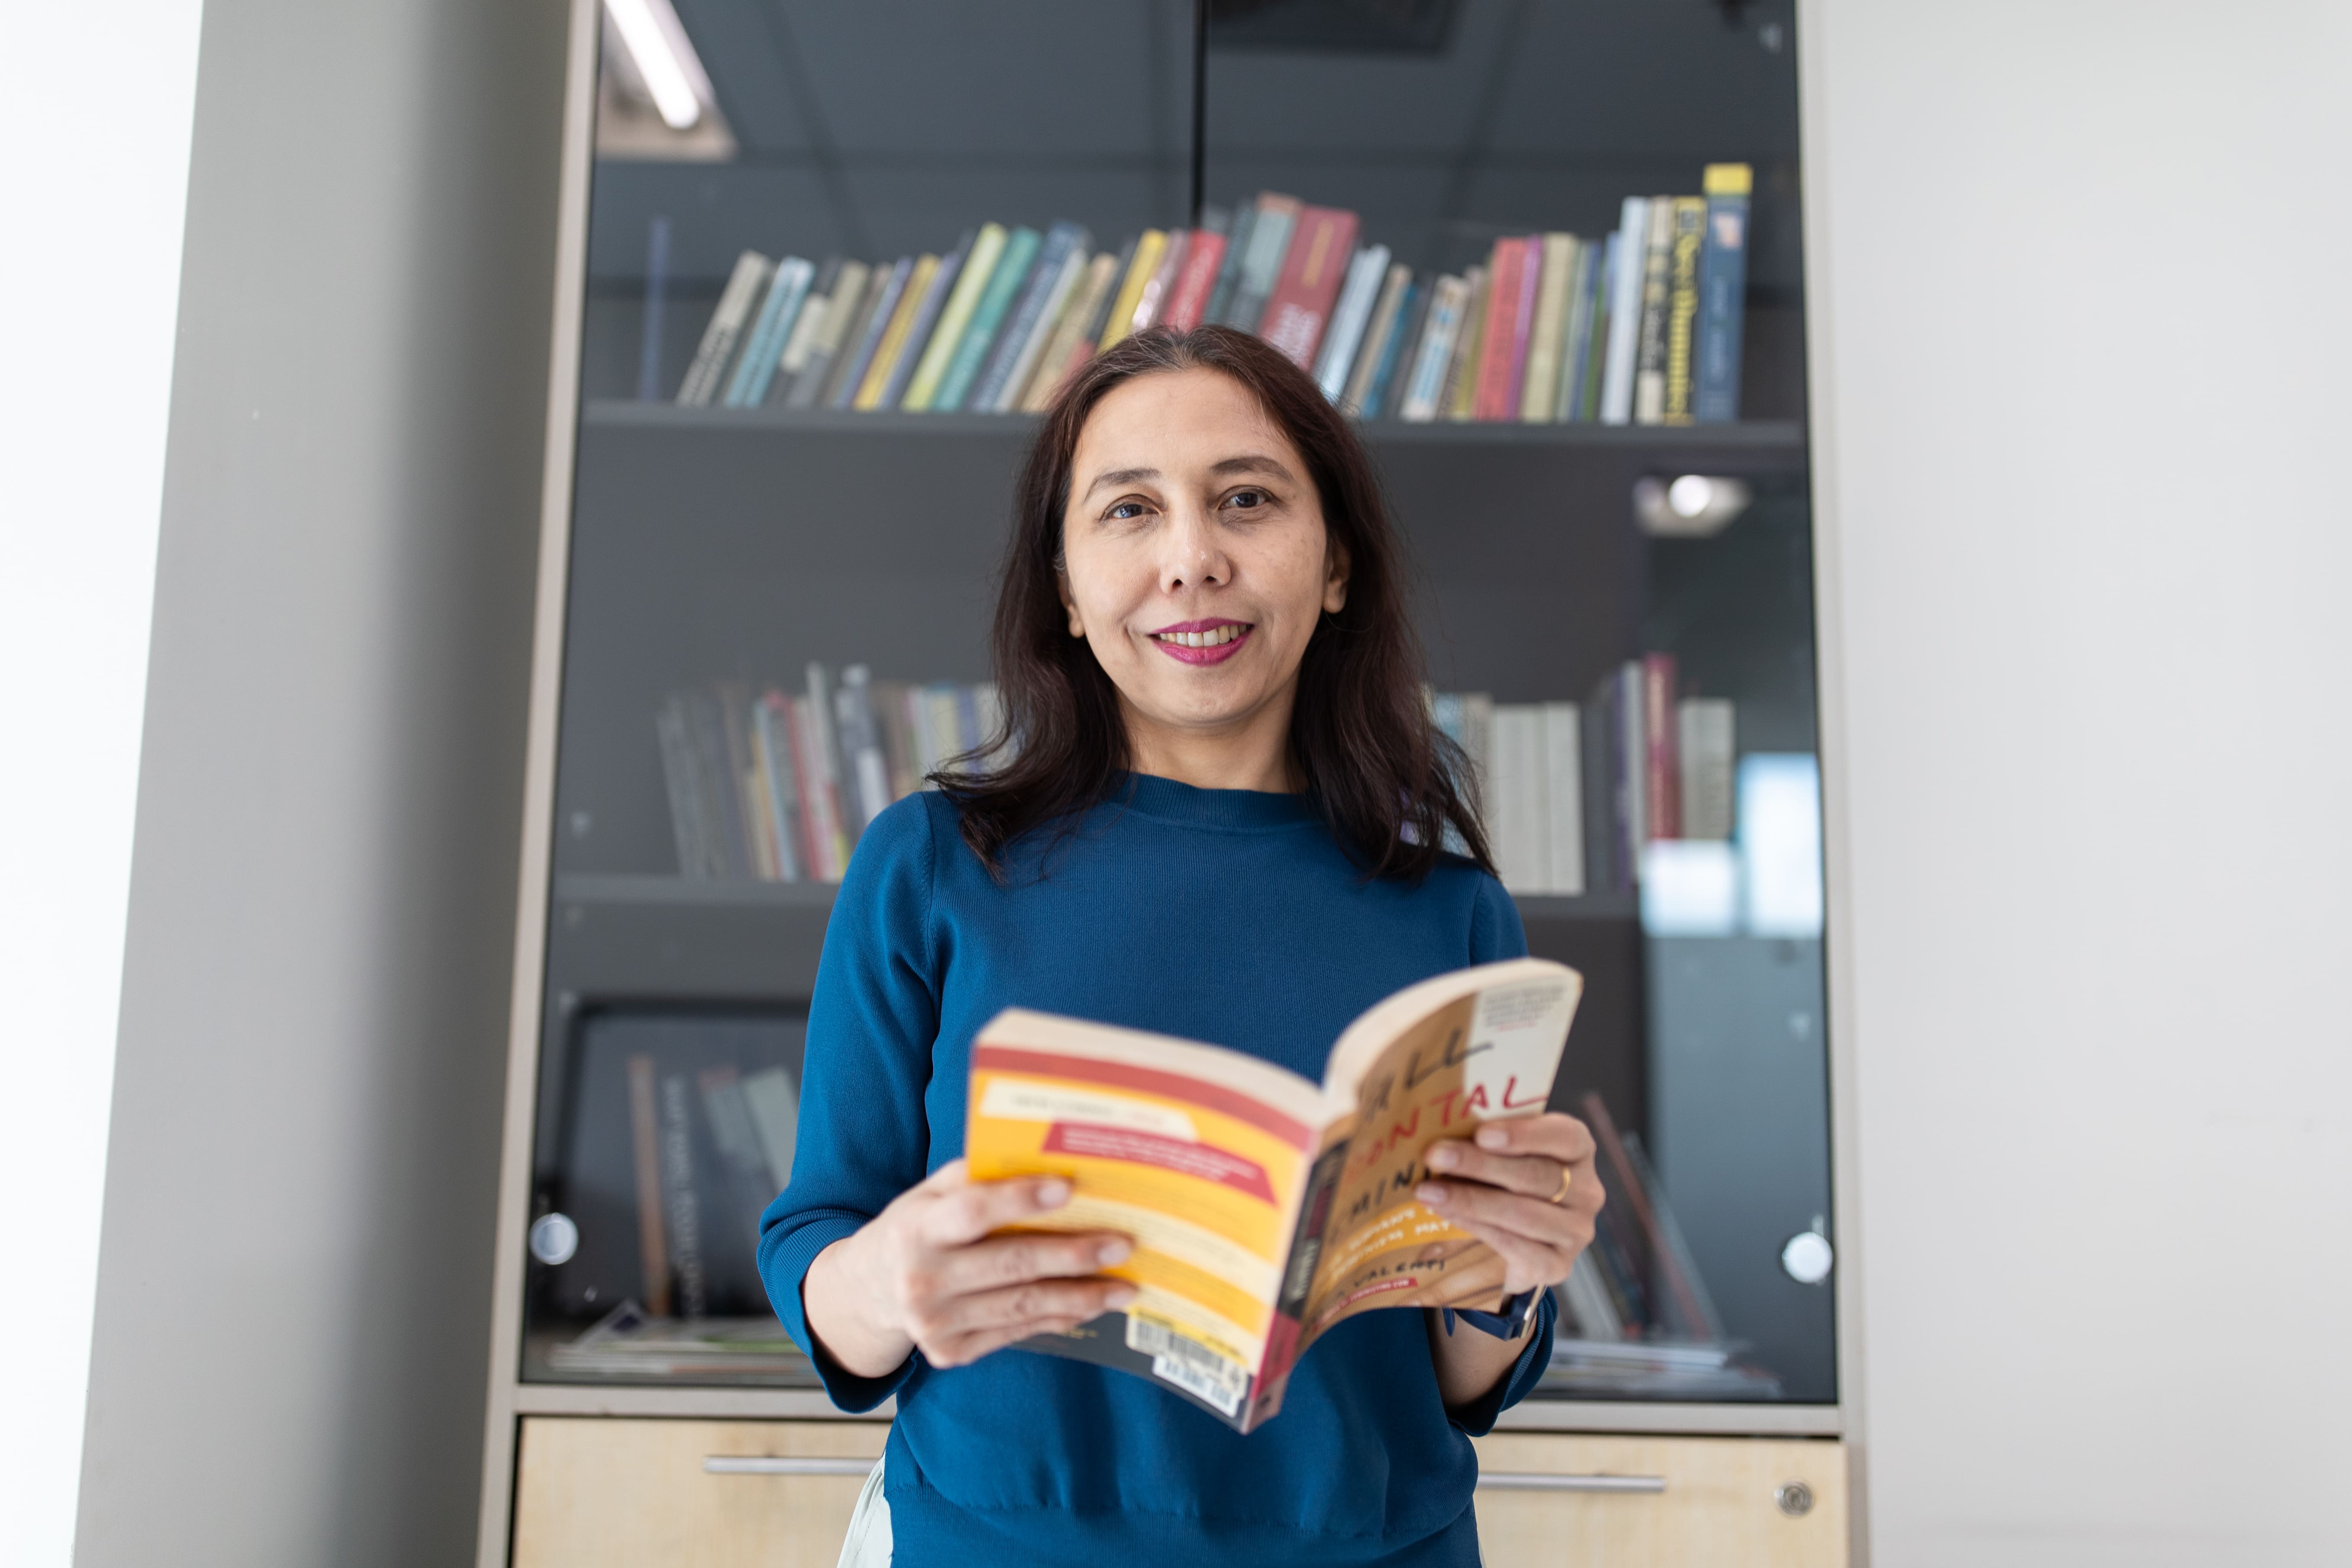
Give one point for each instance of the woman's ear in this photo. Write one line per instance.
(1061, 592)
(1334, 581)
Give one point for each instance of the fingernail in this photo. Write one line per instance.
(1112, 1252)
(1430, 1192)
(1493, 1138)
(1120, 1298)
(1053, 1195)
(1444, 1157)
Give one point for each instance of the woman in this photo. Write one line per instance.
(1220, 817)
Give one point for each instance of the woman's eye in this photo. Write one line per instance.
(1125, 510)
(1247, 499)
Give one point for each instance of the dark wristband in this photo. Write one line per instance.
(1508, 1322)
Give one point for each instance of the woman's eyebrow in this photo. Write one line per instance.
(1252, 463)
(1122, 476)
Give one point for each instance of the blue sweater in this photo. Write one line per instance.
(1220, 915)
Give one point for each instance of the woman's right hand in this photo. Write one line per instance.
(927, 1274)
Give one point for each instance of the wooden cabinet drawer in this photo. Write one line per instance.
(1706, 1501)
(598, 1492)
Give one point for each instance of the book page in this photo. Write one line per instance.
(1198, 1154)
(1433, 1062)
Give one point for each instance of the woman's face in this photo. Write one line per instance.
(1196, 563)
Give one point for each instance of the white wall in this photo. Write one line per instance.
(2083, 389)
(286, 1366)
(93, 182)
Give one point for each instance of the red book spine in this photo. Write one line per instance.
(1530, 281)
(1504, 275)
(1300, 306)
(1663, 793)
(1190, 301)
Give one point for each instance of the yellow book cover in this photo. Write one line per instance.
(894, 336)
(1682, 306)
(954, 316)
(1538, 394)
(1265, 1208)
(1139, 274)
(1069, 338)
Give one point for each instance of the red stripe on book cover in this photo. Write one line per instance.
(1300, 306)
(1092, 1141)
(1523, 329)
(1147, 1081)
(1190, 300)
(1506, 274)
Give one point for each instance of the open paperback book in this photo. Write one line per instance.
(1264, 1208)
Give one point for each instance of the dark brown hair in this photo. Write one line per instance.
(1389, 786)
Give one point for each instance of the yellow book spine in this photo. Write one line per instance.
(894, 336)
(1726, 180)
(1140, 273)
(1682, 306)
(1542, 388)
(954, 317)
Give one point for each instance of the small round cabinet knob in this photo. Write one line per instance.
(1795, 1498)
(554, 1238)
(1806, 1257)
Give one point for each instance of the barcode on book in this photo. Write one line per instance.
(1179, 1359)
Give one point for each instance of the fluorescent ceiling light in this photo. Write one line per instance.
(665, 58)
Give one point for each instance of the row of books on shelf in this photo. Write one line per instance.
(1642, 325)
(778, 787)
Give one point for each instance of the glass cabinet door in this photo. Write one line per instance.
(831, 271)
(1602, 475)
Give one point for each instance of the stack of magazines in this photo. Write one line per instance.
(628, 1341)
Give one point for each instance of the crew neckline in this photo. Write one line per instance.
(1165, 799)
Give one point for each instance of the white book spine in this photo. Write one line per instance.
(735, 302)
(807, 329)
(1518, 808)
(1563, 769)
(1624, 311)
(1349, 318)
(1434, 351)
(1708, 738)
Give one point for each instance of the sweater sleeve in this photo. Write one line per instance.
(1497, 933)
(862, 1138)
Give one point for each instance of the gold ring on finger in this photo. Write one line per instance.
(1567, 1178)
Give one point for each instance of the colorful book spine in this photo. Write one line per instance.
(1459, 401)
(1722, 294)
(808, 328)
(892, 347)
(1048, 281)
(844, 309)
(988, 318)
(1575, 345)
(940, 323)
(1205, 263)
(1299, 311)
(1381, 393)
(1351, 316)
(1547, 339)
(1228, 270)
(764, 348)
(874, 322)
(1269, 245)
(1148, 309)
(1424, 389)
(1066, 288)
(727, 322)
(1497, 390)
(1626, 249)
(1682, 307)
(1649, 336)
(773, 729)
(1376, 353)
(1071, 342)
(1661, 772)
(1140, 269)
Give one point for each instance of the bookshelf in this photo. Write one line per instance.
(693, 548)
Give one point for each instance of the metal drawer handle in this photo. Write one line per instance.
(731, 1464)
(1535, 1481)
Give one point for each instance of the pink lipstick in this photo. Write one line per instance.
(1203, 642)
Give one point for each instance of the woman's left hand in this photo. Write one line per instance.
(1526, 1187)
